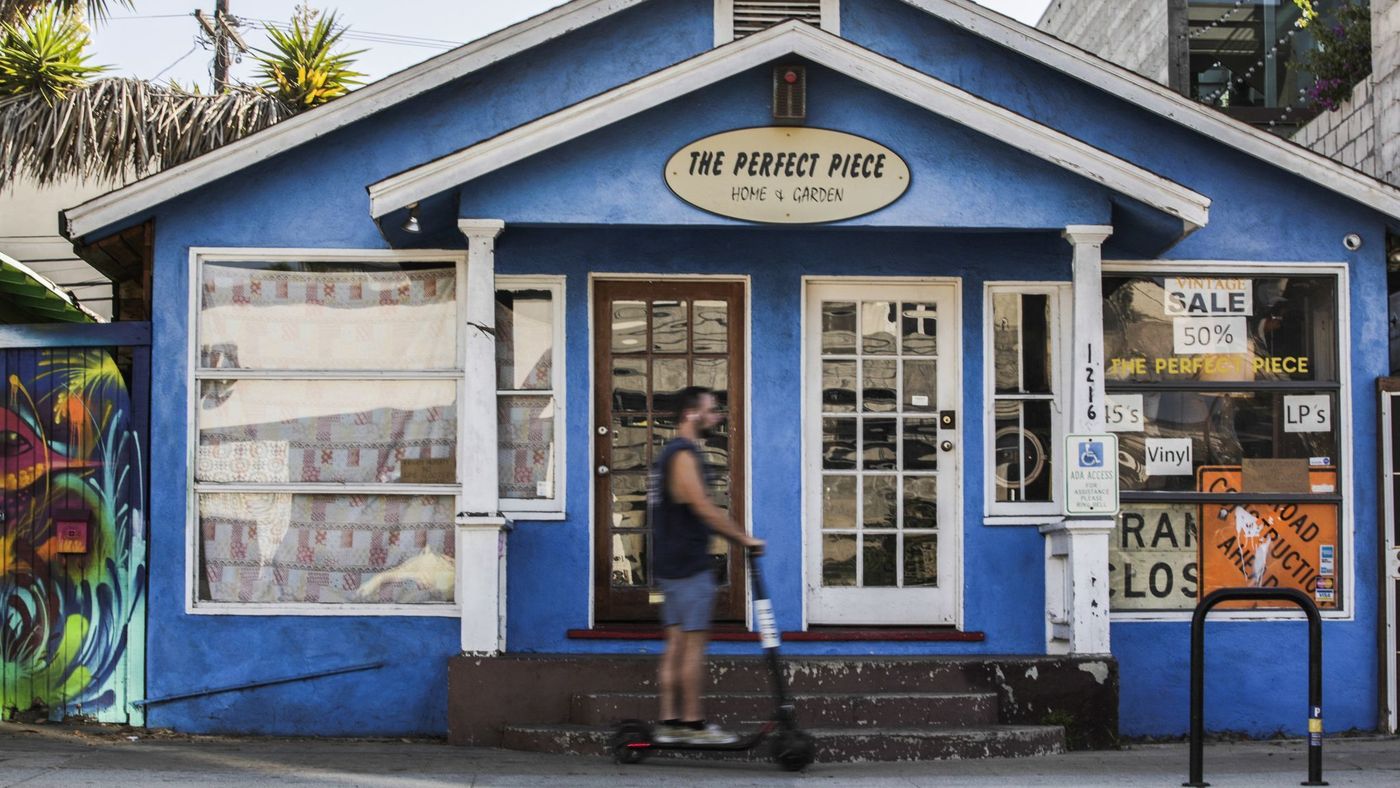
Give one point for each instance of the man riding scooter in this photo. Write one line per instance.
(683, 515)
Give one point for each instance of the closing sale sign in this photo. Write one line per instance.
(1091, 474)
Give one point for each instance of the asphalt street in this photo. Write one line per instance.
(60, 755)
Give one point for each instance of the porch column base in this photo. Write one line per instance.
(1076, 586)
(481, 583)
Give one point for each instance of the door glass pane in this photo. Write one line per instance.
(920, 559)
(839, 560)
(839, 327)
(663, 429)
(838, 386)
(920, 444)
(629, 500)
(839, 444)
(881, 556)
(629, 384)
(669, 326)
(669, 376)
(713, 373)
(629, 443)
(629, 327)
(920, 386)
(630, 559)
(880, 505)
(878, 327)
(838, 501)
(879, 385)
(711, 327)
(920, 502)
(919, 327)
(719, 555)
(879, 438)
(714, 451)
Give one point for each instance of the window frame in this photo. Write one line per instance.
(194, 374)
(1060, 299)
(1346, 525)
(555, 508)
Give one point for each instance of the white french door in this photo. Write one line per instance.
(881, 464)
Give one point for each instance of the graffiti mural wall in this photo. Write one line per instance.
(72, 548)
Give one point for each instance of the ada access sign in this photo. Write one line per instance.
(1091, 474)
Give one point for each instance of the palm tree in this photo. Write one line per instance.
(58, 124)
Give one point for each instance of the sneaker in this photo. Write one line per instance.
(709, 734)
(670, 734)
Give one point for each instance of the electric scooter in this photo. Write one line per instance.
(791, 748)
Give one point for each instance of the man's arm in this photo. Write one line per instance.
(688, 487)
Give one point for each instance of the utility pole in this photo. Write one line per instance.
(221, 32)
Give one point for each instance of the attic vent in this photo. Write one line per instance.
(751, 16)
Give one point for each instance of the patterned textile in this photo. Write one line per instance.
(525, 434)
(340, 440)
(256, 318)
(338, 549)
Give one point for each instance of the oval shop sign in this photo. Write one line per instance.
(787, 175)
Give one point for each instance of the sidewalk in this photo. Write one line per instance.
(52, 755)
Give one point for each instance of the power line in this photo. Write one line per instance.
(365, 35)
(161, 73)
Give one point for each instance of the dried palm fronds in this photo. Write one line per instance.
(112, 130)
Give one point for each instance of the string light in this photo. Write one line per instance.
(1268, 57)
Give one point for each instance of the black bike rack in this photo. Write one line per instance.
(1198, 679)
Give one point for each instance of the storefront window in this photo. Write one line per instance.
(1225, 391)
(326, 413)
(528, 381)
(1023, 379)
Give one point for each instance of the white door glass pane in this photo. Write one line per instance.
(525, 426)
(918, 329)
(327, 549)
(524, 339)
(384, 431)
(317, 315)
(878, 326)
(839, 327)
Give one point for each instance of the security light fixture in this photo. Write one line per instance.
(411, 225)
(1352, 242)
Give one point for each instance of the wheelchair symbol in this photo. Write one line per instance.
(1090, 455)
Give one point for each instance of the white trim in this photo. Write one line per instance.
(554, 508)
(193, 374)
(148, 192)
(791, 38)
(1161, 100)
(1344, 426)
(952, 536)
(153, 190)
(1006, 513)
(747, 281)
(1389, 714)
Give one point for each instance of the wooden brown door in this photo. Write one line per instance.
(654, 338)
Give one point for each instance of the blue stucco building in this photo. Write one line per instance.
(1074, 251)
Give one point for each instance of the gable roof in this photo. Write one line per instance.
(803, 40)
(142, 195)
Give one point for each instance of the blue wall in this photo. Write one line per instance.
(314, 196)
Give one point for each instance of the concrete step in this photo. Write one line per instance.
(816, 710)
(833, 745)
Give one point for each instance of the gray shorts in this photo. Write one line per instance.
(689, 602)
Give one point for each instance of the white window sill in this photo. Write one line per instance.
(533, 517)
(434, 609)
(1022, 519)
(1184, 616)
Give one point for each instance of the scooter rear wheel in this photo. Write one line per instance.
(626, 739)
(794, 750)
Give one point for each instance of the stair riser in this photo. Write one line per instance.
(830, 749)
(839, 711)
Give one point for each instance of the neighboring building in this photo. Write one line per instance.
(914, 244)
(1240, 56)
(29, 234)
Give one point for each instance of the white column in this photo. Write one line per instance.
(481, 530)
(1076, 550)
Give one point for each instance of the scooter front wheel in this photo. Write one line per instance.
(631, 742)
(794, 750)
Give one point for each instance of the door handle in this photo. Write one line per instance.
(946, 445)
(603, 470)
